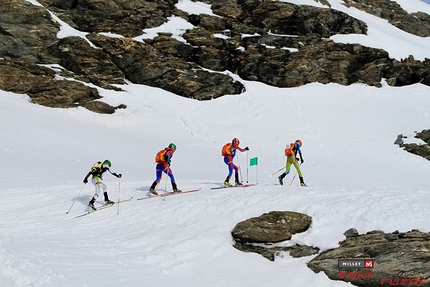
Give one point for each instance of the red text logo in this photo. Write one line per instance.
(402, 281)
(355, 275)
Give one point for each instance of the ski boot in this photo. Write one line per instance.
(153, 191)
(107, 201)
(280, 178)
(227, 183)
(91, 204)
(175, 188)
(302, 183)
(237, 182)
(152, 188)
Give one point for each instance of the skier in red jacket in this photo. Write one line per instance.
(229, 152)
(163, 159)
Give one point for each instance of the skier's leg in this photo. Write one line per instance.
(158, 175)
(229, 162)
(297, 166)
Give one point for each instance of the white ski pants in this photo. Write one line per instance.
(98, 185)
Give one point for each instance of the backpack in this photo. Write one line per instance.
(289, 150)
(226, 149)
(97, 168)
(159, 158)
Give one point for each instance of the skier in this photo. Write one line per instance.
(97, 172)
(292, 159)
(229, 151)
(163, 159)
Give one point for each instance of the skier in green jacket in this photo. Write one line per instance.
(292, 159)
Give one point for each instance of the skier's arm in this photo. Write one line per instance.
(297, 150)
(115, 174)
(168, 157)
(301, 157)
(86, 177)
(235, 146)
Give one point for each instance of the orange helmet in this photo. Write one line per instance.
(299, 142)
(235, 141)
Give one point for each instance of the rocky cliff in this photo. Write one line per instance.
(273, 42)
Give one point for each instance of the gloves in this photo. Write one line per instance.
(85, 180)
(303, 161)
(247, 148)
(119, 176)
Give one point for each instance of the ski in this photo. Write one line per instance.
(173, 193)
(245, 185)
(103, 207)
(169, 193)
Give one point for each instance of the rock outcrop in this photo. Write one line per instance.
(258, 234)
(399, 259)
(422, 150)
(416, 23)
(273, 42)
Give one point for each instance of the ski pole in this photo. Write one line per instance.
(119, 187)
(240, 169)
(67, 212)
(293, 179)
(247, 164)
(277, 171)
(294, 175)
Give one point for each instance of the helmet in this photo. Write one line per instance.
(235, 141)
(172, 146)
(299, 142)
(107, 162)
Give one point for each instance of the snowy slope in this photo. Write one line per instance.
(357, 178)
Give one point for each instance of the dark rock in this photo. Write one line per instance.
(415, 23)
(399, 140)
(422, 150)
(407, 72)
(127, 18)
(424, 135)
(141, 63)
(274, 226)
(92, 65)
(352, 232)
(391, 236)
(406, 257)
(271, 253)
(26, 31)
(40, 85)
(274, 42)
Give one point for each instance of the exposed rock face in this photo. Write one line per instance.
(274, 42)
(422, 150)
(143, 64)
(400, 259)
(269, 228)
(40, 84)
(415, 23)
(26, 31)
(124, 17)
(89, 64)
